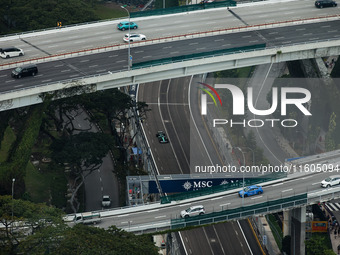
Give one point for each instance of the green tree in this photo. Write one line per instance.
(330, 141)
(317, 246)
(28, 218)
(83, 153)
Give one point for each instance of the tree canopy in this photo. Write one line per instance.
(23, 15)
(39, 229)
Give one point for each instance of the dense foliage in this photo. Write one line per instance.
(39, 229)
(24, 15)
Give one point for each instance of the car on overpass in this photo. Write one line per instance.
(331, 181)
(250, 191)
(134, 37)
(125, 25)
(10, 52)
(162, 138)
(325, 3)
(193, 211)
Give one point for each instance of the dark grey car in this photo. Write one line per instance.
(22, 71)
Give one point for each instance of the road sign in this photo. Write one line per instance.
(264, 239)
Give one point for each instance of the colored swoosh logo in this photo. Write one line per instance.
(213, 90)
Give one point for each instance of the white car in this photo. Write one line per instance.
(106, 201)
(11, 52)
(330, 181)
(134, 37)
(193, 211)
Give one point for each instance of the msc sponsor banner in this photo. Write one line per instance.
(173, 186)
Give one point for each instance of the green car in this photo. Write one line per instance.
(162, 138)
(124, 25)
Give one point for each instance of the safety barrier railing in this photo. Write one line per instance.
(198, 55)
(242, 212)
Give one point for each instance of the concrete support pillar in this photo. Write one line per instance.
(322, 67)
(298, 231)
(286, 223)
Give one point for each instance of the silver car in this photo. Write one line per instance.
(330, 181)
(193, 211)
(134, 37)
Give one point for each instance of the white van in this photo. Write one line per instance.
(11, 52)
(330, 181)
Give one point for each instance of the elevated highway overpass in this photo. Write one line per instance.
(225, 48)
(282, 195)
(298, 189)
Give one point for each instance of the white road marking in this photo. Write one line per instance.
(124, 215)
(256, 197)
(286, 190)
(215, 198)
(225, 204)
(185, 205)
(278, 184)
(162, 216)
(155, 210)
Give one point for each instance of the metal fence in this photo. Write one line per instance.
(198, 55)
(242, 212)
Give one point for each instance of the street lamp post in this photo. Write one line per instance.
(244, 163)
(13, 180)
(129, 54)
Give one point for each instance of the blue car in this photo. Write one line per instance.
(124, 25)
(251, 190)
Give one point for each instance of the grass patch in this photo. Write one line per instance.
(6, 143)
(46, 187)
(109, 11)
(276, 230)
